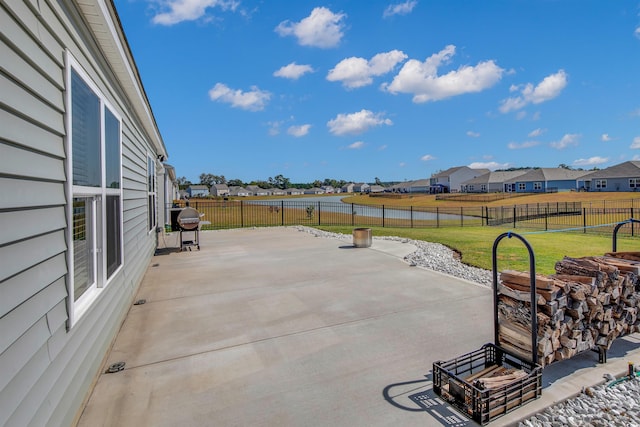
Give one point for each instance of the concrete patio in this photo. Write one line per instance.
(276, 327)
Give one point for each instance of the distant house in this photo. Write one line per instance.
(546, 180)
(197, 191)
(348, 188)
(375, 188)
(219, 190)
(170, 192)
(418, 186)
(258, 191)
(491, 182)
(360, 187)
(82, 193)
(450, 180)
(622, 177)
(294, 191)
(277, 192)
(328, 189)
(238, 191)
(314, 190)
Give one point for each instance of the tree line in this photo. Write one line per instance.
(278, 181)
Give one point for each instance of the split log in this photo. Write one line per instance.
(524, 279)
(629, 256)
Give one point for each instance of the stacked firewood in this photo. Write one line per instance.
(587, 304)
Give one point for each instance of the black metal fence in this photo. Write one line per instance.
(585, 218)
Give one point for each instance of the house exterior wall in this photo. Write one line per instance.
(613, 184)
(458, 177)
(51, 353)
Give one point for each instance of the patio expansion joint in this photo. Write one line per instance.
(291, 334)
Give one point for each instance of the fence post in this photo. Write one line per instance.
(546, 219)
(241, 215)
(382, 216)
(584, 220)
(318, 212)
(282, 210)
(437, 217)
(514, 216)
(353, 215)
(461, 216)
(632, 231)
(411, 215)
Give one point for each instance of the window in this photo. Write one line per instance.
(537, 185)
(634, 183)
(151, 192)
(522, 186)
(601, 183)
(95, 184)
(483, 187)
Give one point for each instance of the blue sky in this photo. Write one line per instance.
(398, 90)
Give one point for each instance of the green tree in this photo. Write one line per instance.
(235, 183)
(279, 181)
(207, 179)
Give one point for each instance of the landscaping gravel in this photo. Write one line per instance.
(433, 256)
(595, 406)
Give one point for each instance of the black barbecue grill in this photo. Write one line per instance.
(189, 221)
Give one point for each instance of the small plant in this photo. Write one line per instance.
(310, 210)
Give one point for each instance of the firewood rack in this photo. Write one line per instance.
(454, 380)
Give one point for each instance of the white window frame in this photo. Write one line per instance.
(483, 187)
(537, 185)
(98, 201)
(601, 183)
(522, 186)
(634, 182)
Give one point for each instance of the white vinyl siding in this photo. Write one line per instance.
(48, 366)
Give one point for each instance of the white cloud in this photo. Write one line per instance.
(299, 131)
(382, 147)
(489, 165)
(293, 71)
(591, 161)
(176, 11)
(637, 32)
(421, 79)
(526, 144)
(322, 28)
(549, 88)
(427, 157)
(254, 100)
(605, 137)
(636, 143)
(400, 8)
(357, 72)
(570, 139)
(356, 145)
(473, 134)
(635, 113)
(402, 164)
(536, 132)
(356, 123)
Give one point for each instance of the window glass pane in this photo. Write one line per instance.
(83, 263)
(152, 211)
(151, 174)
(85, 133)
(112, 149)
(114, 255)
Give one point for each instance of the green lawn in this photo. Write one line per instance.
(475, 244)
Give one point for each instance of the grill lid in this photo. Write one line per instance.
(189, 218)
